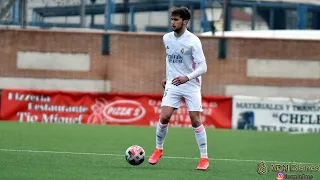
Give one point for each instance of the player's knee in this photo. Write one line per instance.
(165, 118)
(195, 119)
(196, 122)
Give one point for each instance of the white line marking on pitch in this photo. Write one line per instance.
(295, 133)
(167, 157)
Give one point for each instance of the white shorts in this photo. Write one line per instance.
(173, 98)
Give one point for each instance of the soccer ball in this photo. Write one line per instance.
(135, 155)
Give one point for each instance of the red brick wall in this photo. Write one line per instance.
(137, 61)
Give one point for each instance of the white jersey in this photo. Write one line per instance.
(183, 54)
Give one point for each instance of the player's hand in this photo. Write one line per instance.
(180, 80)
(163, 83)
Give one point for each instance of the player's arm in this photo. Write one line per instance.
(164, 81)
(201, 68)
(199, 59)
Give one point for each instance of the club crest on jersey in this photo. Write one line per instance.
(182, 50)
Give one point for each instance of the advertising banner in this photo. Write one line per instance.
(106, 108)
(276, 114)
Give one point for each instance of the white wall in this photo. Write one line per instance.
(273, 91)
(275, 68)
(53, 61)
(283, 68)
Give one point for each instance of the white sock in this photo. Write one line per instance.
(161, 133)
(201, 137)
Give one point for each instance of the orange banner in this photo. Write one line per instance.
(106, 108)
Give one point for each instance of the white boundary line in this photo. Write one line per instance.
(296, 133)
(167, 157)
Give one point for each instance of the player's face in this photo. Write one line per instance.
(177, 23)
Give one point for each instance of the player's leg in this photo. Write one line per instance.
(170, 102)
(162, 126)
(201, 138)
(193, 102)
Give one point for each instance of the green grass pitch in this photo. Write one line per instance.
(94, 152)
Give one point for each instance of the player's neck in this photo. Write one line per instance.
(178, 34)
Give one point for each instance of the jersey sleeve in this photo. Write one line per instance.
(164, 44)
(197, 52)
(164, 38)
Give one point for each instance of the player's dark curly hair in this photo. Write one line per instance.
(182, 12)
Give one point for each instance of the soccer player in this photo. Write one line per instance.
(185, 63)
